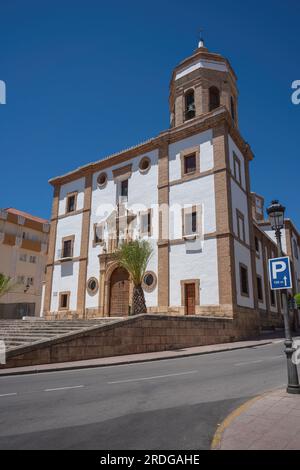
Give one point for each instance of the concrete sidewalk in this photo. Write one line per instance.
(145, 357)
(268, 422)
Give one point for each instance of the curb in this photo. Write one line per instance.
(132, 361)
(216, 441)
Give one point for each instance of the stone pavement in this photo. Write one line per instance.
(268, 422)
(144, 357)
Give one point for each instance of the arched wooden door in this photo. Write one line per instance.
(119, 293)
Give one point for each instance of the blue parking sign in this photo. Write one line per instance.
(280, 273)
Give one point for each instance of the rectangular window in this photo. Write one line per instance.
(32, 259)
(124, 188)
(192, 221)
(260, 294)
(145, 223)
(244, 280)
(296, 253)
(257, 245)
(98, 233)
(241, 226)
(23, 257)
(190, 164)
(272, 298)
(64, 298)
(71, 202)
(67, 247)
(21, 279)
(237, 168)
(30, 281)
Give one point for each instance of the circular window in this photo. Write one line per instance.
(149, 281)
(145, 165)
(92, 286)
(102, 180)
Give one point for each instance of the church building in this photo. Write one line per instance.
(187, 191)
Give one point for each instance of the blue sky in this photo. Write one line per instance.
(88, 78)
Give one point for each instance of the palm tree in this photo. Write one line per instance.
(6, 284)
(134, 257)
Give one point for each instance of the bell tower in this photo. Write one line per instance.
(200, 84)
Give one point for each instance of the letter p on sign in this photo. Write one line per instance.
(278, 267)
(280, 273)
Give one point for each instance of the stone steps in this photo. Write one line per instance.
(16, 333)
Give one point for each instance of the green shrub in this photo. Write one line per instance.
(297, 299)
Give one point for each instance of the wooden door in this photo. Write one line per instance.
(119, 293)
(190, 299)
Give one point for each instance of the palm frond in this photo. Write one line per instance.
(6, 284)
(134, 257)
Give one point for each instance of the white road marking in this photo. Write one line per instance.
(245, 363)
(62, 388)
(8, 395)
(261, 360)
(154, 377)
(102, 367)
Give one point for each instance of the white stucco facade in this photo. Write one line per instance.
(192, 202)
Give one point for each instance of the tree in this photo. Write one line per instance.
(6, 284)
(134, 257)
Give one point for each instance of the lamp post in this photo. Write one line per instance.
(276, 215)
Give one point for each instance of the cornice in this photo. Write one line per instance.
(205, 55)
(199, 124)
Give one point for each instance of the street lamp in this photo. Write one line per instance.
(276, 215)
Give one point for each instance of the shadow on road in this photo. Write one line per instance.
(182, 428)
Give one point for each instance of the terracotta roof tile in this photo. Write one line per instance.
(12, 210)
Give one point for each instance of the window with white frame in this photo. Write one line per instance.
(240, 226)
(244, 283)
(98, 233)
(237, 168)
(124, 189)
(256, 245)
(296, 252)
(192, 221)
(23, 257)
(260, 294)
(145, 223)
(21, 279)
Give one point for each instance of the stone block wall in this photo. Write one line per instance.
(140, 334)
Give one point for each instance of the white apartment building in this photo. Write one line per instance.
(23, 257)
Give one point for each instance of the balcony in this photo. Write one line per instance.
(64, 255)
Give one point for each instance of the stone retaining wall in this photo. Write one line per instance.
(140, 334)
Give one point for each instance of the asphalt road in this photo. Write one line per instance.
(169, 404)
